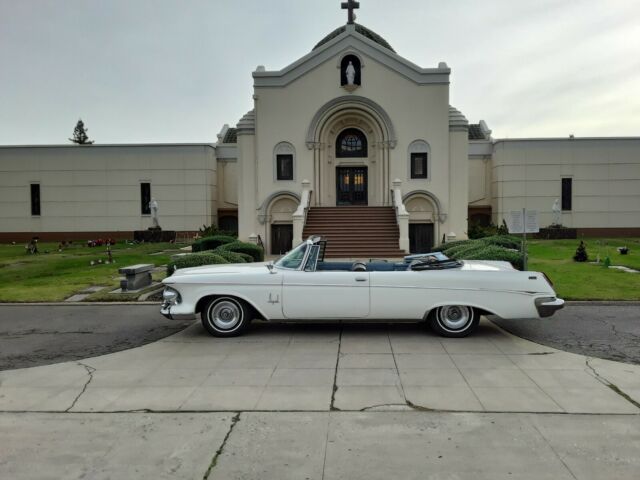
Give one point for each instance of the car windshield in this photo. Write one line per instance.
(294, 258)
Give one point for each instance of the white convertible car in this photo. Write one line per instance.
(450, 295)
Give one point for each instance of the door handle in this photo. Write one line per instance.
(361, 279)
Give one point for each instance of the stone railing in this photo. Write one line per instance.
(402, 216)
(300, 215)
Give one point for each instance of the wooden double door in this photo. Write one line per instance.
(351, 186)
(420, 237)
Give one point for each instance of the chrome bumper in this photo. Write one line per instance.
(547, 306)
(166, 311)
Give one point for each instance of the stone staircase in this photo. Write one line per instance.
(355, 231)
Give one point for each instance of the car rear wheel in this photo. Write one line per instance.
(454, 320)
(226, 316)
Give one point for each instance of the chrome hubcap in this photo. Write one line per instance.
(454, 317)
(225, 315)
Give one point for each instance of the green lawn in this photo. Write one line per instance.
(585, 281)
(54, 276)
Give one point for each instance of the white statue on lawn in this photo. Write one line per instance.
(350, 72)
(557, 213)
(153, 207)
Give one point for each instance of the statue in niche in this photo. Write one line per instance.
(350, 73)
(350, 77)
(557, 213)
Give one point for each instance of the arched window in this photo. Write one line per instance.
(351, 143)
(284, 159)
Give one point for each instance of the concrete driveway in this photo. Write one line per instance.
(327, 368)
(293, 401)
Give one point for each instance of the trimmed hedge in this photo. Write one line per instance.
(494, 252)
(194, 260)
(211, 243)
(503, 241)
(243, 247)
(448, 246)
(247, 258)
(231, 257)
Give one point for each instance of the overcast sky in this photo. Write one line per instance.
(176, 70)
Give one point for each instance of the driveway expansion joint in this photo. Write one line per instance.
(214, 460)
(90, 371)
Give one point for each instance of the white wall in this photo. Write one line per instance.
(605, 172)
(97, 188)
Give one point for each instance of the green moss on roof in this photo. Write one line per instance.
(362, 30)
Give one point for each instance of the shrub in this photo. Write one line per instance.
(451, 251)
(194, 260)
(212, 230)
(231, 257)
(211, 243)
(494, 252)
(243, 247)
(447, 246)
(581, 253)
(504, 241)
(247, 258)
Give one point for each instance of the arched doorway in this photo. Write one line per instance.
(351, 138)
(424, 219)
(280, 214)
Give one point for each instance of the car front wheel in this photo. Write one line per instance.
(454, 320)
(226, 317)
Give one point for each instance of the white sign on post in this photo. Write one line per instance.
(523, 221)
(531, 221)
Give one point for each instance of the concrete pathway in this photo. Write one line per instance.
(319, 445)
(328, 368)
(324, 402)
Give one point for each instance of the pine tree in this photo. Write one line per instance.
(581, 253)
(80, 134)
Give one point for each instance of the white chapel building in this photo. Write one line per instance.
(352, 141)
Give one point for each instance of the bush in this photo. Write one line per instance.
(504, 241)
(212, 230)
(451, 251)
(494, 252)
(211, 243)
(247, 258)
(448, 246)
(231, 257)
(194, 260)
(243, 247)
(581, 253)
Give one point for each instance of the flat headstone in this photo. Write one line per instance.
(138, 268)
(93, 289)
(78, 297)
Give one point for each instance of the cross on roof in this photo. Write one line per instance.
(351, 5)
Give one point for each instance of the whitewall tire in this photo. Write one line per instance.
(226, 316)
(454, 320)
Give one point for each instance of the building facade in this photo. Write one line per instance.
(350, 124)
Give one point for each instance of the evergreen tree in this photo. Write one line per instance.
(581, 253)
(80, 134)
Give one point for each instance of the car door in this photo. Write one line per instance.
(325, 294)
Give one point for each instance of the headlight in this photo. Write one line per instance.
(170, 296)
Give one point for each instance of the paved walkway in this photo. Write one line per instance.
(324, 402)
(328, 368)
